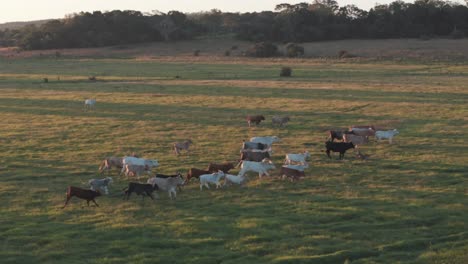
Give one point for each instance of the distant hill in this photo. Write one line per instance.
(16, 25)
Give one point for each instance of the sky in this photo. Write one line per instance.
(27, 10)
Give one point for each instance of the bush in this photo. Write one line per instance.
(92, 78)
(262, 50)
(294, 50)
(343, 54)
(234, 47)
(196, 53)
(227, 53)
(286, 72)
(46, 80)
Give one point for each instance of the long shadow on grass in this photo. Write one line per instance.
(265, 92)
(152, 112)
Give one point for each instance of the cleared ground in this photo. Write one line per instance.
(407, 203)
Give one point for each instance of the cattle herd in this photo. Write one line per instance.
(255, 156)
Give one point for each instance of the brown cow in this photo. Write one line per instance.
(224, 167)
(84, 194)
(195, 173)
(255, 119)
(293, 174)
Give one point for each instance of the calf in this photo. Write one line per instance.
(254, 119)
(224, 167)
(293, 174)
(280, 120)
(357, 140)
(179, 146)
(169, 184)
(298, 158)
(253, 156)
(195, 173)
(386, 134)
(84, 194)
(110, 162)
(261, 168)
(89, 104)
(237, 179)
(340, 147)
(100, 184)
(211, 178)
(140, 189)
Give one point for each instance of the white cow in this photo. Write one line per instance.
(149, 164)
(386, 134)
(169, 184)
(211, 178)
(265, 140)
(237, 179)
(260, 167)
(299, 158)
(100, 184)
(89, 104)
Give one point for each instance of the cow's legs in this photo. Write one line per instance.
(328, 153)
(66, 202)
(94, 202)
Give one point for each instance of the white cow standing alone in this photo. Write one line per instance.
(386, 134)
(89, 104)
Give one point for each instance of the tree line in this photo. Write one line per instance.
(303, 22)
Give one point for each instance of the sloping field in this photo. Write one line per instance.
(406, 204)
(214, 49)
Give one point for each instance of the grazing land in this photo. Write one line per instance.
(406, 204)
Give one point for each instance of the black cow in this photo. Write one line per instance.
(140, 189)
(340, 147)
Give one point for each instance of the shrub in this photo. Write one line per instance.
(234, 47)
(227, 53)
(294, 50)
(286, 72)
(92, 78)
(262, 50)
(196, 53)
(46, 80)
(343, 54)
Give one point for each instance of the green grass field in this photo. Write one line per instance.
(406, 204)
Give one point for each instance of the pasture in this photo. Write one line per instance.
(406, 204)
